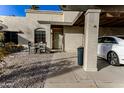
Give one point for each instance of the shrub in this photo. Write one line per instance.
(12, 48)
(1, 36)
(8, 49)
(3, 53)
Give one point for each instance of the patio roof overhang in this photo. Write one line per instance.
(104, 8)
(11, 29)
(8, 30)
(3, 26)
(107, 19)
(4, 31)
(7, 27)
(92, 17)
(111, 15)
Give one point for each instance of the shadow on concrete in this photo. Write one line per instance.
(101, 63)
(61, 68)
(121, 65)
(28, 75)
(60, 59)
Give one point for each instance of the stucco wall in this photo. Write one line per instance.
(29, 31)
(73, 37)
(45, 16)
(53, 17)
(27, 27)
(28, 35)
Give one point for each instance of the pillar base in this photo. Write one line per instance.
(90, 69)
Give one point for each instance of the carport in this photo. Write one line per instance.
(93, 17)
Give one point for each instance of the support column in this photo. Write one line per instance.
(91, 39)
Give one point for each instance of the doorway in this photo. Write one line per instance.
(57, 38)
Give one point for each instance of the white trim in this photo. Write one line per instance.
(92, 11)
(43, 11)
(55, 23)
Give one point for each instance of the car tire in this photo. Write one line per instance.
(113, 59)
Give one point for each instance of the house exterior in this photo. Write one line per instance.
(56, 28)
(67, 30)
(53, 27)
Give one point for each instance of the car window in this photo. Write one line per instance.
(121, 37)
(100, 40)
(109, 40)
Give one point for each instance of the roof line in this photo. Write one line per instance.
(43, 11)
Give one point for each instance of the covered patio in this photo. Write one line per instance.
(92, 18)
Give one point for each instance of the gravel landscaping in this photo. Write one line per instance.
(26, 70)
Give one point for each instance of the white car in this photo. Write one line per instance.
(111, 48)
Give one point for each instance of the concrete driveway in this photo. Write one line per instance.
(107, 77)
(57, 70)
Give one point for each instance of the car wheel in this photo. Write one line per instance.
(113, 58)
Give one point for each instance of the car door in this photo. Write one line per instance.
(107, 45)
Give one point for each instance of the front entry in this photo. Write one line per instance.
(57, 39)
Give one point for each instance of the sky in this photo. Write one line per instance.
(19, 10)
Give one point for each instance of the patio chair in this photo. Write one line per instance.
(31, 47)
(42, 47)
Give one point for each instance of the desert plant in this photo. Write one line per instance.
(3, 53)
(11, 47)
(8, 49)
(1, 36)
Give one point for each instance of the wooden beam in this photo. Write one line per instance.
(112, 14)
(104, 8)
(120, 21)
(109, 21)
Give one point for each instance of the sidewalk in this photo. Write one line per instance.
(73, 76)
(71, 79)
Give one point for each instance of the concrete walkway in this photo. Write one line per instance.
(73, 76)
(57, 70)
(68, 74)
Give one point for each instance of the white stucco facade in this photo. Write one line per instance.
(26, 27)
(39, 19)
(73, 38)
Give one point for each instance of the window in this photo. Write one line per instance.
(121, 37)
(109, 40)
(40, 36)
(11, 37)
(100, 40)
